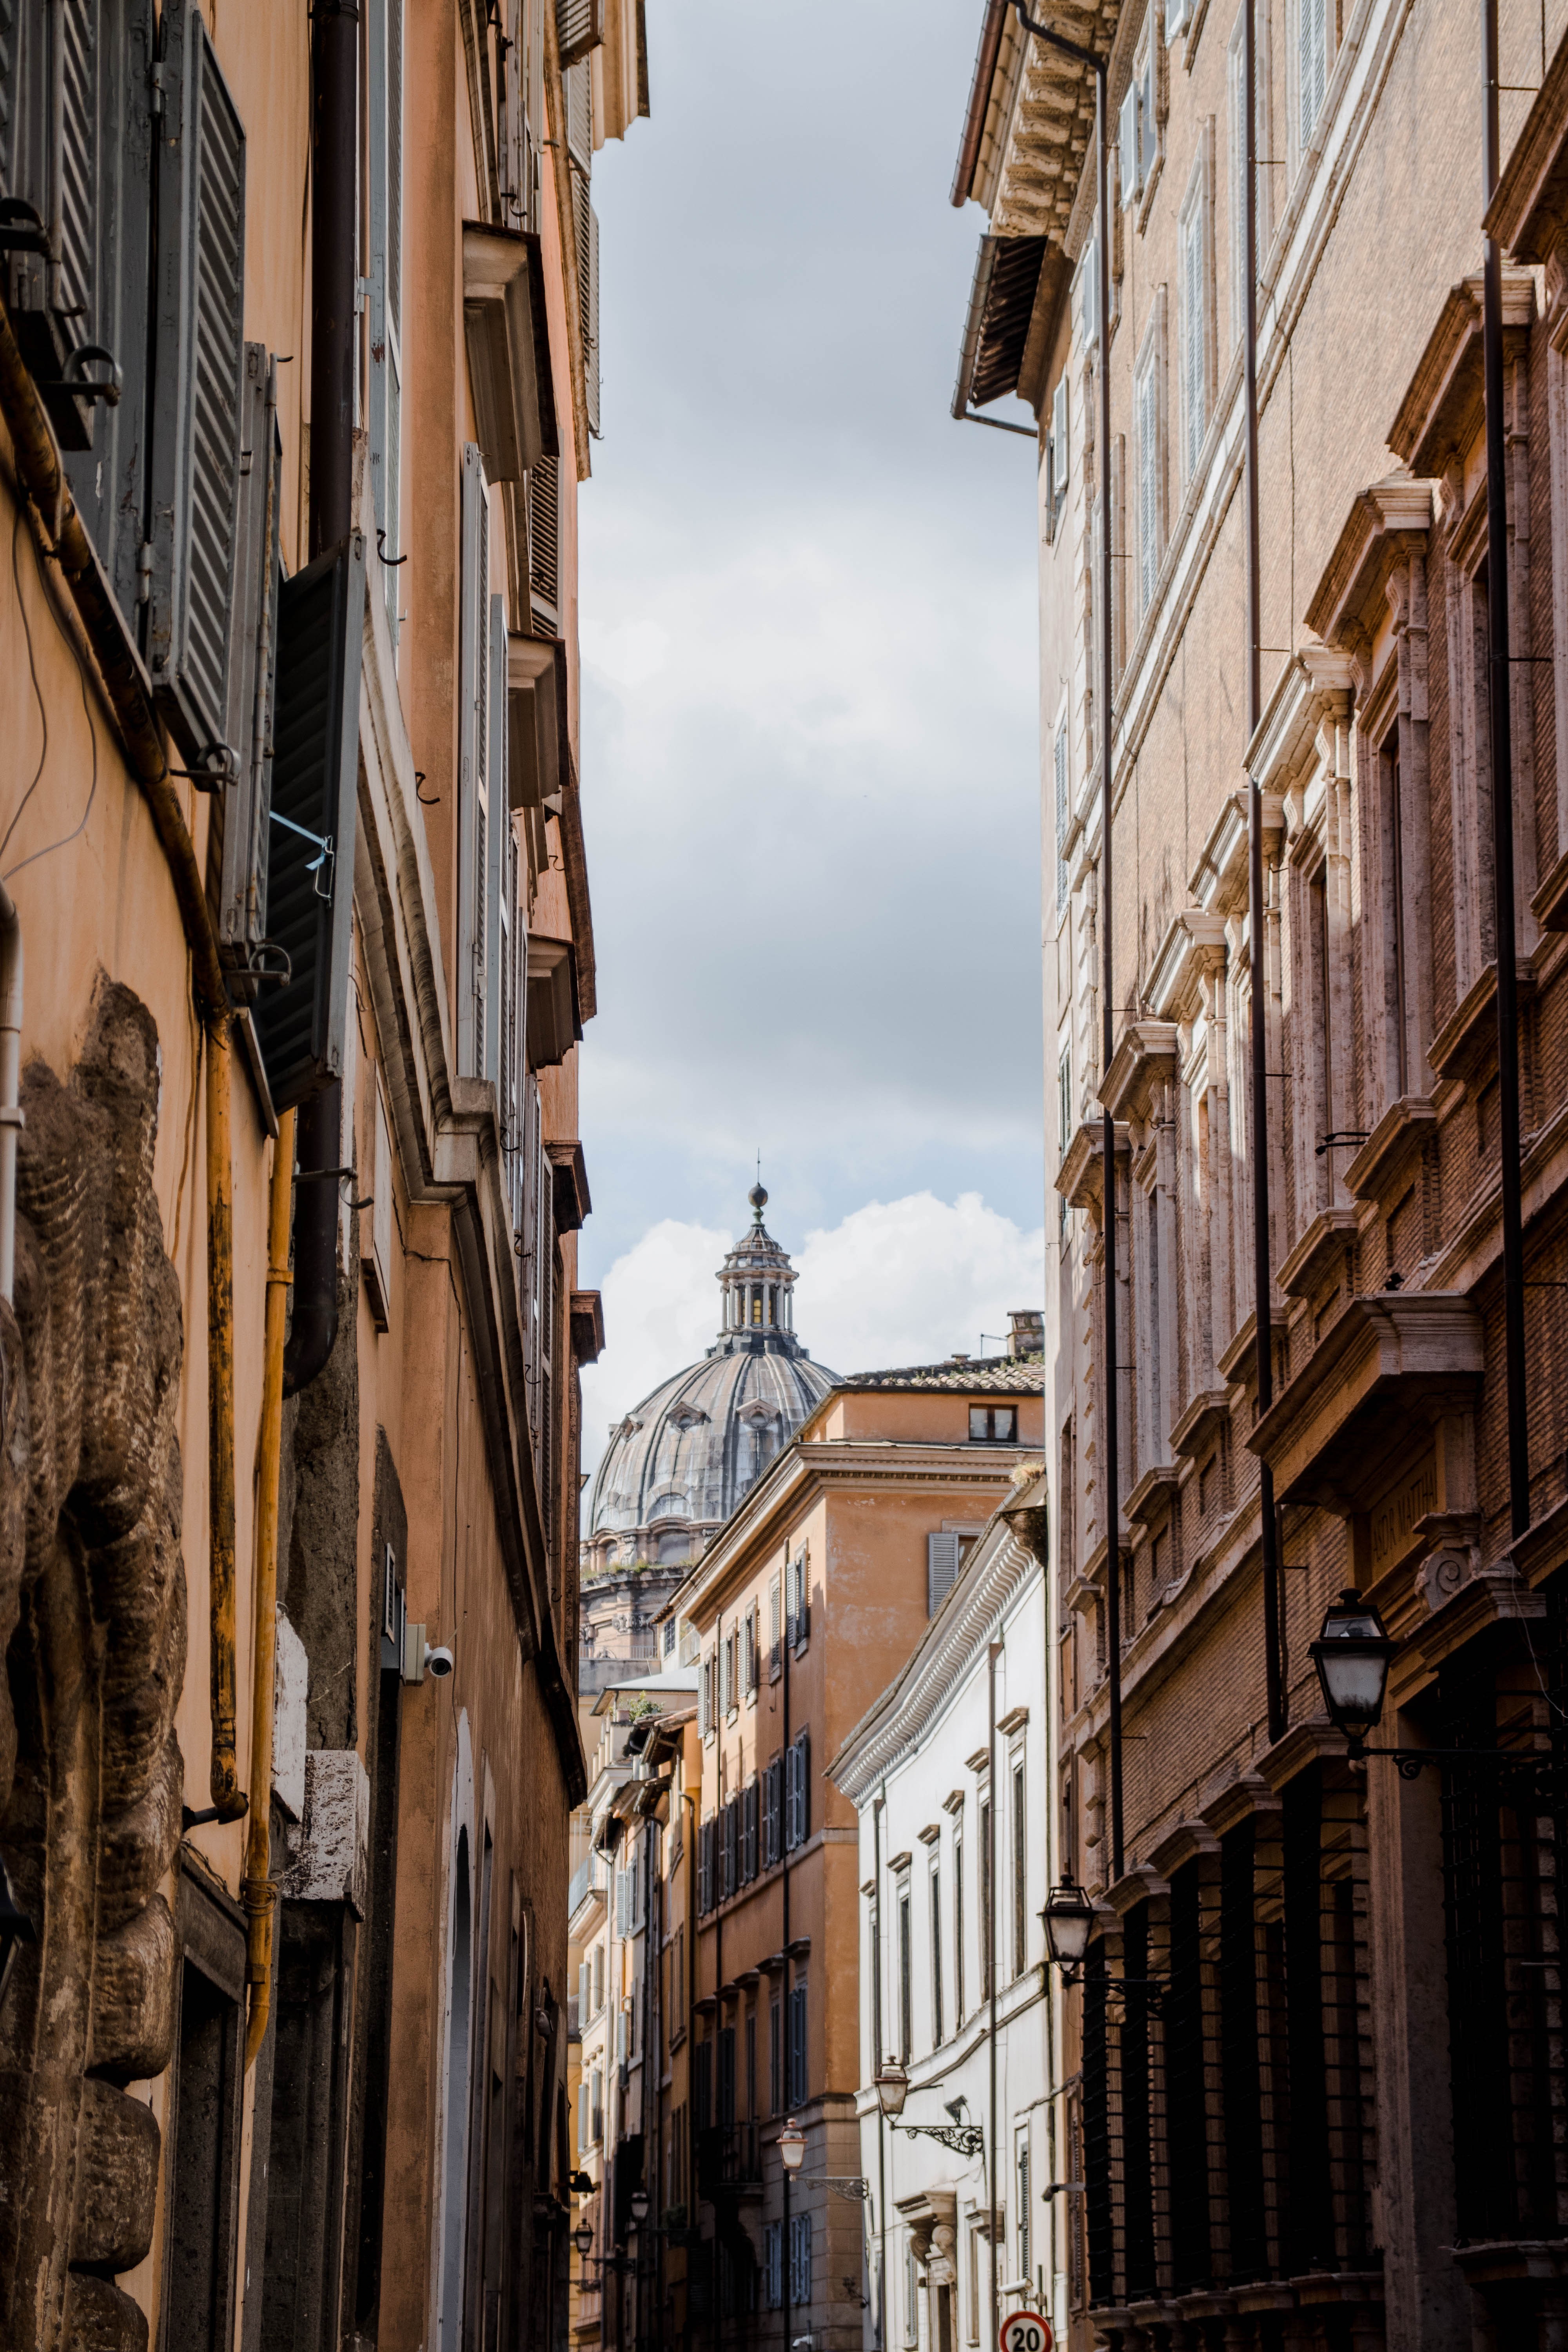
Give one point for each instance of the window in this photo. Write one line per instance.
(1320, 950)
(750, 1647)
(800, 2259)
(986, 1918)
(729, 1849)
(775, 1662)
(705, 1695)
(776, 2057)
(1020, 1875)
(1148, 426)
(773, 2266)
(1089, 288)
(751, 2065)
(797, 1793)
(749, 1809)
(1130, 145)
(798, 2045)
(1056, 457)
(1178, 16)
(957, 1931)
(1311, 64)
(912, 2293)
(906, 1979)
(938, 2035)
(943, 1559)
(1194, 308)
(705, 1866)
(797, 1611)
(994, 1424)
(669, 1639)
(1138, 136)
(874, 1933)
(1395, 957)
(1063, 815)
(1021, 2185)
(772, 1794)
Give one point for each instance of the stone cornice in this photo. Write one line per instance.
(1441, 413)
(996, 1572)
(1196, 943)
(1384, 523)
(1317, 686)
(1145, 1055)
(1527, 214)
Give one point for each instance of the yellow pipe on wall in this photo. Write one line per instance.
(228, 1796)
(259, 1890)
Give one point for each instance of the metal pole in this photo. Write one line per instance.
(1502, 810)
(876, 2049)
(1262, 1273)
(785, 2044)
(992, 1653)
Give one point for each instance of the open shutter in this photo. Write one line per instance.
(803, 1788)
(497, 932)
(1059, 451)
(384, 388)
(198, 377)
(579, 28)
(587, 223)
(544, 545)
(473, 785)
(1127, 140)
(941, 1565)
(1312, 41)
(1089, 288)
(310, 860)
(1148, 122)
(108, 478)
(237, 843)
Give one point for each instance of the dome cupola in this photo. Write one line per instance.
(758, 1284)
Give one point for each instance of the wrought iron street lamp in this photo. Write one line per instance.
(791, 2146)
(1067, 1919)
(640, 2208)
(893, 2087)
(583, 2238)
(1353, 1654)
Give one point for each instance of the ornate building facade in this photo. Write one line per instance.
(1308, 2085)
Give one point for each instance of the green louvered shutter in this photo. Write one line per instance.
(315, 775)
(198, 378)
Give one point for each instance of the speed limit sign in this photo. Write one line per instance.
(1025, 2331)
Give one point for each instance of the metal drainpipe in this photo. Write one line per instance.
(1257, 919)
(784, 2038)
(1501, 719)
(10, 1084)
(879, 1806)
(992, 1653)
(335, 212)
(1097, 65)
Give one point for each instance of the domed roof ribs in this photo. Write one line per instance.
(658, 1447)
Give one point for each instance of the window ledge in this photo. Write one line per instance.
(1465, 1048)
(1400, 1130)
(1326, 1240)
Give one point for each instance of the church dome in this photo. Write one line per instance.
(679, 1462)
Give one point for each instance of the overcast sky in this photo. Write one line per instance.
(809, 765)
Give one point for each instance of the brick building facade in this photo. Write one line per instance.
(1326, 2104)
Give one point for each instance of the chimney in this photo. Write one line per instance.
(1026, 1331)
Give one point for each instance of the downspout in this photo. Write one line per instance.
(1097, 64)
(1501, 726)
(258, 1889)
(59, 533)
(10, 1084)
(992, 1655)
(877, 1809)
(334, 181)
(1256, 917)
(785, 2038)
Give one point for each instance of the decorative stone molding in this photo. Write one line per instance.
(1442, 412)
(1386, 525)
(1191, 949)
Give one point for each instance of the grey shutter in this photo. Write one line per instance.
(1148, 121)
(1090, 285)
(473, 721)
(942, 1554)
(237, 841)
(803, 1788)
(544, 545)
(384, 388)
(198, 378)
(1059, 452)
(109, 479)
(1060, 757)
(315, 777)
(587, 228)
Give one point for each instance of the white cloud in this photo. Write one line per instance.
(897, 1282)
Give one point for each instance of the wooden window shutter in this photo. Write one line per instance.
(473, 720)
(1148, 120)
(941, 1568)
(586, 222)
(1061, 455)
(579, 28)
(237, 845)
(544, 545)
(498, 939)
(578, 81)
(108, 478)
(198, 376)
(1088, 290)
(310, 846)
(384, 388)
(1193, 335)
(1126, 143)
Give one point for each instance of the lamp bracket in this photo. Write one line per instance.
(964, 2139)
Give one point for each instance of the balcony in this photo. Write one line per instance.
(590, 1878)
(729, 2162)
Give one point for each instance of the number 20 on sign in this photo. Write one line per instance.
(1025, 2331)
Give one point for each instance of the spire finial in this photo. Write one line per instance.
(757, 1196)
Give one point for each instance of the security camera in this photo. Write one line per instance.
(420, 1660)
(439, 1661)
